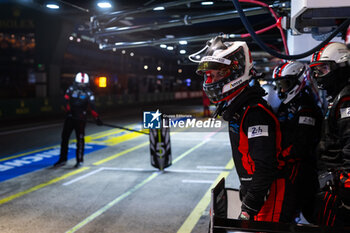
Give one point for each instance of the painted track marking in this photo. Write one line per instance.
(37, 187)
(132, 190)
(202, 205)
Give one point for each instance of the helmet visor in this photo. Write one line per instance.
(234, 61)
(212, 76)
(209, 65)
(286, 83)
(321, 69)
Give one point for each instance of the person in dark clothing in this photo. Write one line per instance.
(78, 99)
(254, 131)
(331, 69)
(300, 118)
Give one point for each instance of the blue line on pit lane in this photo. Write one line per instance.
(31, 162)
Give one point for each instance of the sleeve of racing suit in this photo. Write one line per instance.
(343, 124)
(307, 135)
(92, 105)
(67, 97)
(260, 130)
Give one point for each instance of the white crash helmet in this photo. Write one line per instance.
(82, 78)
(232, 56)
(290, 78)
(326, 61)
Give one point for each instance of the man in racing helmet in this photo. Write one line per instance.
(254, 130)
(78, 99)
(331, 69)
(300, 118)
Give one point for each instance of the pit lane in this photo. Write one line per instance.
(117, 190)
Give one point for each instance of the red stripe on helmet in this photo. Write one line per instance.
(316, 64)
(282, 67)
(321, 51)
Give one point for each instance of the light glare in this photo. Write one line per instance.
(159, 8)
(207, 3)
(104, 5)
(52, 6)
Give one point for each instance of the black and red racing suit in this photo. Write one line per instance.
(300, 121)
(334, 156)
(78, 99)
(255, 140)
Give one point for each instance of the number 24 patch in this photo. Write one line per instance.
(344, 112)
(258, 131)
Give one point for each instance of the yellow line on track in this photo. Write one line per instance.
(116, 140)
(130, 191)
(112, 203)
(120, 153)
(197, 212)
(14, 196)
(88, 139)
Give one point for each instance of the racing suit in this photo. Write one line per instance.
(78, 99)
(300, 121)
(334, 154)
(255, 140)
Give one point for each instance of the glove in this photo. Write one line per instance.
(244, 216)
(98, 121)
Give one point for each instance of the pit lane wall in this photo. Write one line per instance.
(22, 108)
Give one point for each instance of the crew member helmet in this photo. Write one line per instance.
(290, 78)
(226, 67)
(326, 61)
(82, 78)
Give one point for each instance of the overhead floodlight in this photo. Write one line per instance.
(207, 3)
(182, 51)
(183, 42)
(163, 46)
(104, 5)
(170, 48)
(52, 6)
(145, 67)
(159, 8)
